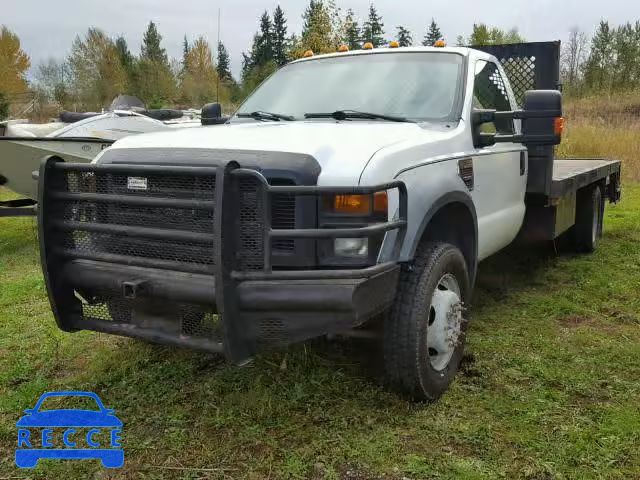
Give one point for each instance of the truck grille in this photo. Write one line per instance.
(179, 235)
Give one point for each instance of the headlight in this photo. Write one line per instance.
(351, 247)
(351, 211)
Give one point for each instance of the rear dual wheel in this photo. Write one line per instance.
(424, 332)
(589, 215)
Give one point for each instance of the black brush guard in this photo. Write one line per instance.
(183, 256)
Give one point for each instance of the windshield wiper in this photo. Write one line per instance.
(260, 115)
(346, 114)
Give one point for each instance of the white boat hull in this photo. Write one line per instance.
(20, 157)
(80, 142)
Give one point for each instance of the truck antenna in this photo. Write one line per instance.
(218, 51)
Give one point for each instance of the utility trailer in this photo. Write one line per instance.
(349, 187)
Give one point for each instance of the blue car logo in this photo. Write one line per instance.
(43, 433)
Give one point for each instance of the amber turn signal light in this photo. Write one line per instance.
(361, 204)
(558, 126)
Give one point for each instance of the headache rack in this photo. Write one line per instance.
(121, 243)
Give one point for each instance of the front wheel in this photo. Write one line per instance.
(424, 332)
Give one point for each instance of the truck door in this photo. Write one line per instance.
(500, 175)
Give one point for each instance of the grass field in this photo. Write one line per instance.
(605, 126)
(550, 387)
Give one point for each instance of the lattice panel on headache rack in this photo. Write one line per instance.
(496, 79)
(521, 72)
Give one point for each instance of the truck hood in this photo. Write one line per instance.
(342, 149)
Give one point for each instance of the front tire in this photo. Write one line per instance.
(424, 332)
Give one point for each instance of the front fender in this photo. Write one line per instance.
(430, 188)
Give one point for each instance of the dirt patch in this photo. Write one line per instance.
(577, 321)
(574, 321)
(467, 366)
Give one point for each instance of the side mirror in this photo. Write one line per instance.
(542, 122)
(211, 114)
(545, 124)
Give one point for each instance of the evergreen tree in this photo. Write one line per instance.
(319, 32)
(155, 81)
(262, 51)
(126, 60)
(351, 31)
(374, 28)
(433, 34)
(223, 67)
(247, 63)
(151, 48)
(404, 37)
(311, 15)
(185, 54)
(279, 37)
(260, 62)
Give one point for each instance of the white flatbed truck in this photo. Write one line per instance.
(348, 187)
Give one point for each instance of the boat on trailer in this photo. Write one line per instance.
(23, 146)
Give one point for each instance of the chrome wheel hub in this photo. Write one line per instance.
(445, 322)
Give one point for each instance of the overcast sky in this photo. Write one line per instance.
(47, 28)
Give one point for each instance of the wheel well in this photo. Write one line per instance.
(455, 224)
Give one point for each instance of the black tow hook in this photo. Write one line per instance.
(134, 288)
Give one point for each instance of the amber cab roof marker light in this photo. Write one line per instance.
(308, 53)
(367, 46)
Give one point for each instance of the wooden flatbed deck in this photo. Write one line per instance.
(573, 174)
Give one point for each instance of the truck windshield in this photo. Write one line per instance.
(421, 86)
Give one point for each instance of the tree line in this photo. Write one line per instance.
(609, 62)
(99, 67)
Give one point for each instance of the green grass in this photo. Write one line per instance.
(550, 387)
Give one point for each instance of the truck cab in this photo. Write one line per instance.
(348, 187)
